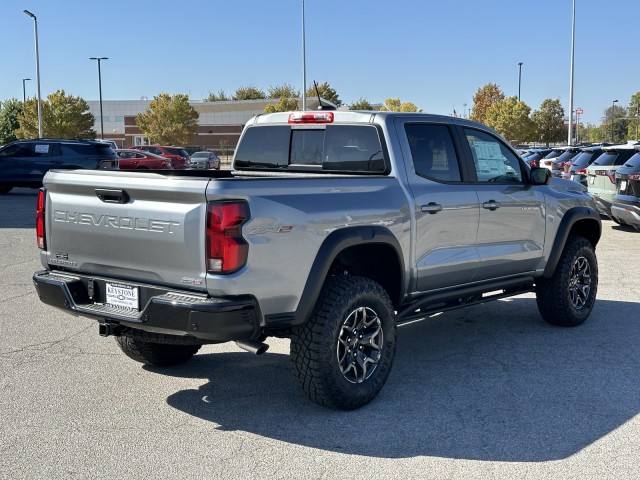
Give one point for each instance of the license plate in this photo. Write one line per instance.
(623, 185)
(122, 296)
(592, 179)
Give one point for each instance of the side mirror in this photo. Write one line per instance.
(540, 176)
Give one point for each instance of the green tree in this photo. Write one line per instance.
(217, 97)
(549, 122)
(169, 120)
(510, 118)
(394, 105)
(634, 113)
(9, 123)
(326, 91)
(361, 104)
(283, 105)
(593, 133)
(616, 123)
(63, 116)
(283, 91)
(486, 96)
(249, 93)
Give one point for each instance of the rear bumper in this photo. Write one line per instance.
(162, 310)
(627, 210)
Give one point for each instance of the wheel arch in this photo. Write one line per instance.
(580, 221)
(372, 252)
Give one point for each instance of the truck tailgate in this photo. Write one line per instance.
(127, 225)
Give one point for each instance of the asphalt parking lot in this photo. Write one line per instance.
(487, 392)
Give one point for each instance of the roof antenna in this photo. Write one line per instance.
(320, 105)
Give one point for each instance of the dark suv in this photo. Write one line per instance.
(178, 155)
(626, 202)
(23, 163)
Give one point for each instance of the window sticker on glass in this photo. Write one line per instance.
(490, 161)
(42, 148)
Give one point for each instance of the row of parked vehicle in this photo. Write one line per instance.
(23, 163)
(611, 174)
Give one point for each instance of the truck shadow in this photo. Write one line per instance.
(492, 382)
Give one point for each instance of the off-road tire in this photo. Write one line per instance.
(159, 353)
(320, 354)
(567, 298)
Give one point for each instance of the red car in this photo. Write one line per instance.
(177, 155)
(131, 159)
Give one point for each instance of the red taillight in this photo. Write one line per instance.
(582, 171)
(311, 117)
(612, 176)
(42, 194)
(226, 248)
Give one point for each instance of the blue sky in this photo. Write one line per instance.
(435, 54)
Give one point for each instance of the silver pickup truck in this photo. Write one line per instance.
(331, 229)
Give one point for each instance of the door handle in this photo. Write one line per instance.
(112, 196)
(431, 208)
(491, 205)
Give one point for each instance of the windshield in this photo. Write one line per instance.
(553, 154)
(567, 155)
(633, 162)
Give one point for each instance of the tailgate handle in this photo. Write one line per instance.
(112, 196)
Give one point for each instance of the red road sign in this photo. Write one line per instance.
(579, 111)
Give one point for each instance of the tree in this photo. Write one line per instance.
(169, 120)
(394, 105)
(615, 122)
(549, 122)
(249, 93)
(510, 118)
(9, 123)
(217, 97)
(283, 105)
(326, 92)
(486, 96)
(283, 91)
(361, 104)
(634, 112)
(63, 116)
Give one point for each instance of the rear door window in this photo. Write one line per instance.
(432, 151)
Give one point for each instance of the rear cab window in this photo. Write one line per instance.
(338, 148)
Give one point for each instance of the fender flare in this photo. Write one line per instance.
(333, 245)
(569, 219)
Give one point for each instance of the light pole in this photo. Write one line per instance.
(100, 93)
(573, 36)
(24, 91)
(304, 66)
(35, 29)
(519, 78)
(613, 104)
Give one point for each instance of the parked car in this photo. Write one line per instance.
(549, 158)
(557, 167)
(131, 159)
(23, 163)
(577, 170)
(204, 160)
(533, 156)
(601, 180)
(625, 208)
(177, 155)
